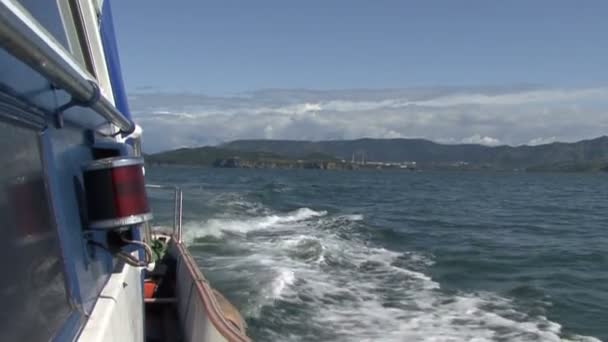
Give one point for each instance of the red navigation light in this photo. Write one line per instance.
(116, 193)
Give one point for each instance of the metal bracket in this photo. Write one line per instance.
(95, 96)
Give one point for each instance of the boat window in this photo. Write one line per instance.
(63, 20)
(47, 14)
(32, 287)
(76, 33)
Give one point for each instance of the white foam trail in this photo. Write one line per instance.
(356, 291)
(353, 217)
(285, 278)
(301, 214)
(216, 227)
(296, 240)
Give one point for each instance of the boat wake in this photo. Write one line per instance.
(218, 227)
(307, 275)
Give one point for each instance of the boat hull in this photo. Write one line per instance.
(204, 315)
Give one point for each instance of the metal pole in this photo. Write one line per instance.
(179, 225)
(24, 38)
(175, 211)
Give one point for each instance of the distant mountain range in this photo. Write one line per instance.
(585, 155)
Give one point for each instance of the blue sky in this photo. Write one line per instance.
(226, 46)
(489, 72)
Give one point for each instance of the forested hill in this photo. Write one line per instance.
(585, 153)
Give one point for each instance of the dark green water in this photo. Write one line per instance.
(401, 256)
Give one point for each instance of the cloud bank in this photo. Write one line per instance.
(478, 115)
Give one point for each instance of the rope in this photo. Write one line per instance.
(126, 257)
(147, 249)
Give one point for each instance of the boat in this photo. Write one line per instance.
(82, 256)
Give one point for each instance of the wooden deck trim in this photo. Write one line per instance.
(210, 304)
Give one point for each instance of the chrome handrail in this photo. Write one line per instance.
(23, 37)
(177, 209)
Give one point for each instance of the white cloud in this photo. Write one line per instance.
(489, 116)
(393, 135)
(268, 132)
(541, 141)
(517, 98)
(481, 140)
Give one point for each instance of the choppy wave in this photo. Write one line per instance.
(307, 275)
(217, 227)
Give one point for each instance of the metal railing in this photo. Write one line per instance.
(177, 208)
(23, 37)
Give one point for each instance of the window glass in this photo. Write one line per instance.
(48, 15)
(62, 19)
(32, 287)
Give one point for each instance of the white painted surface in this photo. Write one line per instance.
(118, 313)
(201, 317)
(194, 321)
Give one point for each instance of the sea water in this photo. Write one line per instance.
(311, 255)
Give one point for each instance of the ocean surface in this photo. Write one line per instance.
(312, 255)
